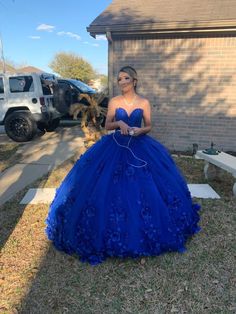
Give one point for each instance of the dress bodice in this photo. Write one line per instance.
(133, 120)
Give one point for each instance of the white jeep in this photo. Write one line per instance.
(27, 104)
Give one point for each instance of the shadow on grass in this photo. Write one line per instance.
(8, 155)
(39, 158)
(40, 279)
(11, 212)
(159, 284)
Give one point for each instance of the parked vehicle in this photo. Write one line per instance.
(74, 88)
(33, 101)
(67, 92)
(26, 104)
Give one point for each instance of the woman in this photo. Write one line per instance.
(125, 196)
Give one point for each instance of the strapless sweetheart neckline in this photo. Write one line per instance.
(129, 114)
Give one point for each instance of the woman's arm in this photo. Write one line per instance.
(110, 123)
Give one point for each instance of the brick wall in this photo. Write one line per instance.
(191, 83)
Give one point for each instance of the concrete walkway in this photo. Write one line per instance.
(46, 195)
(38, 158)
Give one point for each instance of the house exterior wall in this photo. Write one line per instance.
(191, 84)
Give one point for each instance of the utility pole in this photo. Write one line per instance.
(2, 55)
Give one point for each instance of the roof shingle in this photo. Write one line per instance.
(164, 14)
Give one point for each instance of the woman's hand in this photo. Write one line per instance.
(136, 131)
(123, 127)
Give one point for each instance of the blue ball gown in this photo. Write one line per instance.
(124, 197)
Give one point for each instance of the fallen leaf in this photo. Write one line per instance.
(148, 290)
(174, 310)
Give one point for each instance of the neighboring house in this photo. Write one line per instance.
(8, 68)
(185, 54)
(96, 84)
(29, 69)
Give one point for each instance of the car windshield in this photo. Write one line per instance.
(82, 86)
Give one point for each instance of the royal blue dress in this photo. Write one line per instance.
(124, 197)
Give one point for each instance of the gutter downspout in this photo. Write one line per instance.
(110, 63)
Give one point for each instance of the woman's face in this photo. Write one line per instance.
(125, 82)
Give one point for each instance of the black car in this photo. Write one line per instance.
(66, 93)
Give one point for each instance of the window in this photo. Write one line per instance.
(47, 82)
(21, 84)
(47, 89)
(1, 86)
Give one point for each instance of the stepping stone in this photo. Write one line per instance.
(202, 191)
(46, 195)
(39, 196)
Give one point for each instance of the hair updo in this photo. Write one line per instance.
(131, 72)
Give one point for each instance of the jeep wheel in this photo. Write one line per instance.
(20, 126)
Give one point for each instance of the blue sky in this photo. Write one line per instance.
(33, 31)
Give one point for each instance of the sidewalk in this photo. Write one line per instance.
(38, 158)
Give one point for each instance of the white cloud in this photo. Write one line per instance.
(34, 37)
(87, 43)
(69, 34)
(45, 27)
(101, 37)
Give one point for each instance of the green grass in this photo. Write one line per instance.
(38, 279)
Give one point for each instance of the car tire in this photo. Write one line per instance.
(62, 97)
(41, 126)
(20, 126)
(52, 125)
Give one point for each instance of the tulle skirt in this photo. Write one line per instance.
(122, 202)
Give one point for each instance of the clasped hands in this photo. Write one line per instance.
(125, 129)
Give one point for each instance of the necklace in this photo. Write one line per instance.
(131, 103)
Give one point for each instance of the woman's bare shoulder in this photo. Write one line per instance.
(116, 98)
(143, 101)
(115, 101)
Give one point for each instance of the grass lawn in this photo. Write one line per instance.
(8, 155)
(36, 278)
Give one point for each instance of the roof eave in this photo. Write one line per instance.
(162, 27)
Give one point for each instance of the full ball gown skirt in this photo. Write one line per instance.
(122, 202)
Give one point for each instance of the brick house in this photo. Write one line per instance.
(185, 54)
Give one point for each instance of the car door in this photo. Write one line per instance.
(62, 96)
(47, 84)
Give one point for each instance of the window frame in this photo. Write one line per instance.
(28, 90)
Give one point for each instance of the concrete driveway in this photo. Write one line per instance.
(39, 157)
